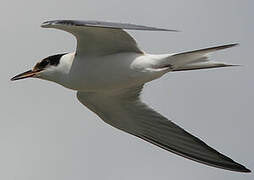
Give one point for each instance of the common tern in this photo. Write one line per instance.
(108, 71)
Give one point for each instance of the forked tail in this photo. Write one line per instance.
(197, 59)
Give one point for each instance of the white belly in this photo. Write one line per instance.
(111, 72)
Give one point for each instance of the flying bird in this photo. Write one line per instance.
(108, 71)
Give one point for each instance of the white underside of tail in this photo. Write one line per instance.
(198, 59)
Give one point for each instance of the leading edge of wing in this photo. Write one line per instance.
(102, 24)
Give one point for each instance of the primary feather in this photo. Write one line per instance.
(125, 111)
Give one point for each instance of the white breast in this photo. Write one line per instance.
(110, 72)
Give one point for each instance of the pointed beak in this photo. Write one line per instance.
(24, 75)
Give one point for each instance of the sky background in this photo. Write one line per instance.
(46, 134)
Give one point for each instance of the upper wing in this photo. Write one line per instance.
(125, 111)
(100, 38)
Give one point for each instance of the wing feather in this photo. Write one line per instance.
(103, 24)
(126, 112)
(100, 38)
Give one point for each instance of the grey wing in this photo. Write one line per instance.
(126, 112)
(103, 24)
(100, 38)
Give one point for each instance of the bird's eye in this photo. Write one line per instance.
(44, 63)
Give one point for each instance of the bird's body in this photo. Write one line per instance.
(108, 71)
(129, 69)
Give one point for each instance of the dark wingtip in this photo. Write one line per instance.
(232, 45)
(244, 169)
(247, 170)
(227, 46)
(241, 168)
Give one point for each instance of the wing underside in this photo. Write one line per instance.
(126, 112)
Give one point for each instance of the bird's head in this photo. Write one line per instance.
(51, 68)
